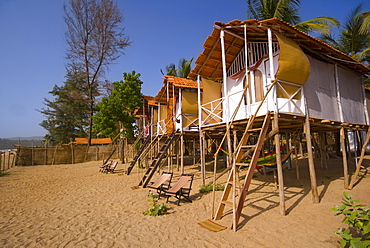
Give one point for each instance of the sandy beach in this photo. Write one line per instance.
(74, 205)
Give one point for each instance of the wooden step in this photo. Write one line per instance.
(254, 130)
(242, 164)
(247, 146)
(227, 203)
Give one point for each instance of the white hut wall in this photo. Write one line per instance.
(351, 97)
(321, 92)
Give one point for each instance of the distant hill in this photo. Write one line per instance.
(29, 142)
(27, 138)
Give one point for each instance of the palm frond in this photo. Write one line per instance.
(322, 25)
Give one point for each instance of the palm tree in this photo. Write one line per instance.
(287, 10)
(353, 38)
(184, 67)
(183, 70)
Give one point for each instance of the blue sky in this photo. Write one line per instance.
(32, 46)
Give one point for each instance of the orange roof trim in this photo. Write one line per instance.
(83, 141)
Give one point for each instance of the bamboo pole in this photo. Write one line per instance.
(202, 158)
(344, 156)
(214, 184)
(275, 124)
(296, 158)
(182, 152)
(358, 167)
(311, 163)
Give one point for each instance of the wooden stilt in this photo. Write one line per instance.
(182, 153)
(311, 163)
(344, 157)
(323, 161)
(202, 157)
(275, 124)
(296, 157)
(214, 185)
(358, 167)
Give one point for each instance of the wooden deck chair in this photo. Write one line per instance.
(105, 166)
(163, 183)
(112, 167)
(179, 190)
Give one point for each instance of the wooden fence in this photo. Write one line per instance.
(7, 160)
(64, 154)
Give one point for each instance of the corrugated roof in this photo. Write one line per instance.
(209, 65)
(83, 141)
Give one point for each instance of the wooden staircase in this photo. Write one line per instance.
(138, 155)
(232, 184)
(158, 159)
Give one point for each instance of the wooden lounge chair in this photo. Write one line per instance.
(163, 183)
(105, 166)
(179, 190)
(112, 167)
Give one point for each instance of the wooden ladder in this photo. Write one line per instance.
(158, 159)
(237, 155)
(138, 154)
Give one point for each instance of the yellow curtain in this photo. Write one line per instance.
(189, 107)
(155, 119)
(294, 66)
(211, 92)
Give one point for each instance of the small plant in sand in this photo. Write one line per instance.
(357, 217)
(156, 208)
(209, 187)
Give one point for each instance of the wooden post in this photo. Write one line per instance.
(275, 124)
(72, 154)
(214, 184)
(311, 163)
(296, 157)
(182, 152)
(354, 178)
(323, 161)
(202, 157)
(8, 160)
(177, 155)
(344, 156)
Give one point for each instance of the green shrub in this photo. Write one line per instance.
(155, 209)
(209, 187)
(357, 217)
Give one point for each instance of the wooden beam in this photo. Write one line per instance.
(344, 156)
(275, 125)
(311, 163)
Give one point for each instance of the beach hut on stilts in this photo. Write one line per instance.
(275, 81)
(174, 127)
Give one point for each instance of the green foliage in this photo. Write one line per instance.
(209, 187)
(352, 38)
(2, 173)
(116, 111)
(183, 70)
(67, 114)
(156, 209)
(357, 217)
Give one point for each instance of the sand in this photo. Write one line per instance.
(76, 206)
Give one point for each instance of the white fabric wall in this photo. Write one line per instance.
(235, 93)
(351, 97)
(320, 91)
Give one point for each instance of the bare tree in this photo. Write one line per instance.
(95, 40)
